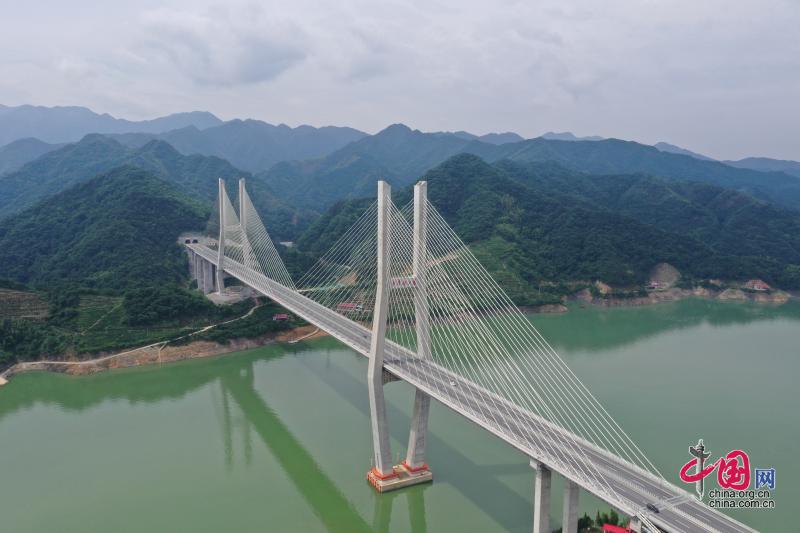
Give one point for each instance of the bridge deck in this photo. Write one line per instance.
(634, 487)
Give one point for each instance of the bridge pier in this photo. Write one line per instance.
(569, 523)
(195, 267)
(210, 277)
(199, 273)
(541, 498)
(199, 269)
(206, 283)
(190, 256)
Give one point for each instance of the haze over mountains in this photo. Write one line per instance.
(68, 124)
(615, 207)
(765, 164)
(252, 145)
(16, 153)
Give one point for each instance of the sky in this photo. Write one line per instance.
(715, 76)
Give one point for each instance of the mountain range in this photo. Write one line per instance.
(765, 164)
(709, 218)
(68, 124)
(673, 149)
(401, 155)
(569, 136)
(252, 145)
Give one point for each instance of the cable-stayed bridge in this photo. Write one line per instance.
(401, 288)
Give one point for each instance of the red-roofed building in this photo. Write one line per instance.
(757, 285)
(280, 317)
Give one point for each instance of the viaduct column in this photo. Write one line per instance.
(208, 277)
(221, 240)
(541, 498)
(382, 470)
(196, 268)
(570, 520)
(415, 456)
(199, 273)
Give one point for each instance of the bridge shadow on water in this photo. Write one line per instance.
(324, 497)
(489, 494)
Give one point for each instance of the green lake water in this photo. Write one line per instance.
(277, 438)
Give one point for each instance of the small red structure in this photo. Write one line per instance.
(757, 285)
(608, 528)
(349, 307)
(280, 317)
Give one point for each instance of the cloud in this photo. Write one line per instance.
(223, 46)
(719, 77)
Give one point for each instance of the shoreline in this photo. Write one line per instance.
(162, 352)
(585, 296)
(159, 353)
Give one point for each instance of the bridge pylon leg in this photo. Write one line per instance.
(383, 470)
(569, 524)
(221, 241)
(541, 498)
(415, 456)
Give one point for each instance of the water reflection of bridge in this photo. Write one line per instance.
(319, 491)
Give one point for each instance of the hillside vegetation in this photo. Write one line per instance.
(729, 222)
(543, 231)
(15, 154)
(116, 230)
(194, 175)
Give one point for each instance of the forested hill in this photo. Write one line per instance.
(15, 154)
(117, 230)
(728, 221)
(195, 175)
(528, 231)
